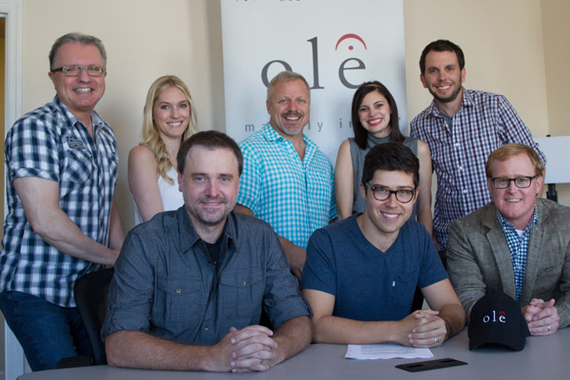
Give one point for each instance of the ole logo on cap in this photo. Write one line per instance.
(501, 318)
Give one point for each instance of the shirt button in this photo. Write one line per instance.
(464, 191)
(242, 283)
(11, 164)
(206, 328)
(457, 145)
(460, 168)
(178, 290)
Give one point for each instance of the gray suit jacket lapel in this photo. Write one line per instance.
(501, 253)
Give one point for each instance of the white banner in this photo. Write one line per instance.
(335, 44)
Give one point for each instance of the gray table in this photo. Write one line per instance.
(542, 358)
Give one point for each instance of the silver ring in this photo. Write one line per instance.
(548, 328)
(435, 338)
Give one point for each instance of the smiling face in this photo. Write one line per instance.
(289, 107)
(385, 218)
(82, 93)
(210, 185)
(516, 205)
(443, 77)
(375, 113)
(171, 113)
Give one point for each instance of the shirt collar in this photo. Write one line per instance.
(97, 121)
(508, 225)
(188, 237)
(466, 101)
(271, 135)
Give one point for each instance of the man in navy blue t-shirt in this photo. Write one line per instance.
(361, 273)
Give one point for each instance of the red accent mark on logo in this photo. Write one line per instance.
(355, 36)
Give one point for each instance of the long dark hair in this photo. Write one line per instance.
(361, 134)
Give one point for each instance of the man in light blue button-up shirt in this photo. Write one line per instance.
(287, 181)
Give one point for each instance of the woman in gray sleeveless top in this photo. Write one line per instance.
(375, 121)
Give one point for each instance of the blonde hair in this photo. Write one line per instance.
(507, 151)
(151, 138)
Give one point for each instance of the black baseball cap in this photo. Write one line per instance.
(496, 318)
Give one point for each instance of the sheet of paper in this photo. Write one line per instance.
(385, 351)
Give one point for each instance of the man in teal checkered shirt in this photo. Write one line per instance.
(287, 181)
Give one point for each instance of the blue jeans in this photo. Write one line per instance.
(46, 331)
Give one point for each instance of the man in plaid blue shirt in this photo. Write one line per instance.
(517, 244)
(62, 222)
(461, 127)
(287, 181)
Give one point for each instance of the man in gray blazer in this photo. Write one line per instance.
(517, 243)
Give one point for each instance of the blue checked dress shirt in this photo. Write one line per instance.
(484, 122)
(295, 197)
(50, 143)
(518, 246)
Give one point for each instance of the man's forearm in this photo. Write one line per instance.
(331, 329)
(64, 235)
(295, 255)
(563, 306)
(116, 234)
(40, 199)
(454, 316)
(292, 337)
(134, 349)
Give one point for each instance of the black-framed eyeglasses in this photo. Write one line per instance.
(521, 182)
(75, 71)
(382, 193)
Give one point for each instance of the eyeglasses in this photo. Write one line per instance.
(75, 71)
(382, 193)
(521, 182)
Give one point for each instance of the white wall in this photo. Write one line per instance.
(502, 40)
(503, 46)
(144, 40)
(556, 29)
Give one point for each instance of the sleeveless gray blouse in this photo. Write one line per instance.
(358, 155)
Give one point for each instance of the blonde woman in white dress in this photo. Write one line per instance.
(169, 118)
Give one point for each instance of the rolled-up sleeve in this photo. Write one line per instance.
(32, 151)
(130, 298)
(282, 299)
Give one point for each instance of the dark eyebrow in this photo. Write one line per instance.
(405, 187)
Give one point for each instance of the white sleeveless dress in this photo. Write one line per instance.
(171, 197)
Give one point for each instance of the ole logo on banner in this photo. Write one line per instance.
(352, 63)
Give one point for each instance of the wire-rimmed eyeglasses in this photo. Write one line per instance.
(75, 71)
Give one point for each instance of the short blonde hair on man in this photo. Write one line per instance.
(285, 76)
(151, 138)
(505, 152)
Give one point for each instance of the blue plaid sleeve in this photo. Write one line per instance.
(249, 187)
(515, 128)
(32, 150)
